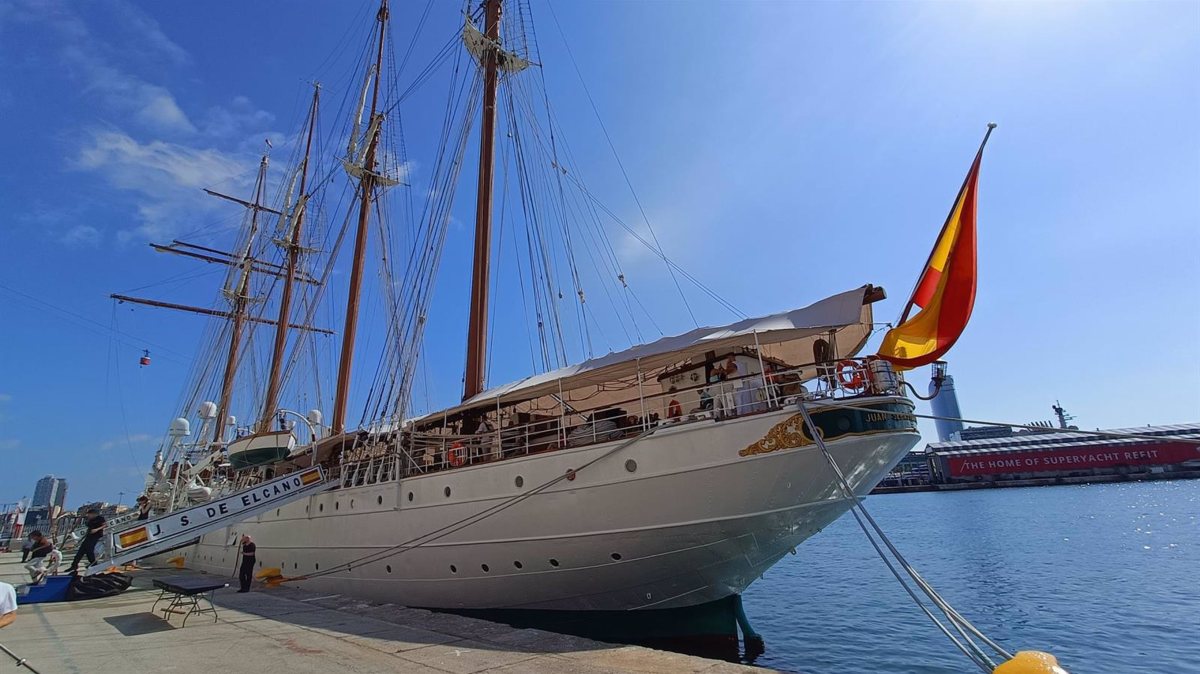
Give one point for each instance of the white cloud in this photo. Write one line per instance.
(5, 397)
(81, 235)
(149, 36)
(168, 177)
(151, 105)
(239, 117)
(10, 443)
(135, 439)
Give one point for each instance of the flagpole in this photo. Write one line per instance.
(949, 216)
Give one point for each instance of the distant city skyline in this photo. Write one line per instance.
(49, 491)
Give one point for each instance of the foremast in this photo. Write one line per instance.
(367, 182)
(239, 297)
(275, 379)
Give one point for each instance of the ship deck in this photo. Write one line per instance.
(293, 630)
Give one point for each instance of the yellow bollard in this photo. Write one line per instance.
(1030, 662)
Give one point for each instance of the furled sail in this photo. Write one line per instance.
(477, 43)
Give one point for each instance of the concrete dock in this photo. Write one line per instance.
(288, 629)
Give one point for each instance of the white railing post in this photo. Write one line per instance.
(762, 369)
(641, 395)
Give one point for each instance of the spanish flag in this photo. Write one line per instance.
(945, 293)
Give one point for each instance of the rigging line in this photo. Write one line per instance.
(87, 324)
(529, 204)
(617, 157)
(475, 518)
(658, 253)
(114, 363)
(121, 402)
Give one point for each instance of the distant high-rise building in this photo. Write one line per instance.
(50, 491)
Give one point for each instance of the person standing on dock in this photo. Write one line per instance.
(246, 572)
(95, 531)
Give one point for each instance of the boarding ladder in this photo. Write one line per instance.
(180, 527)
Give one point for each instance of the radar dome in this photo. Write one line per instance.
(180, 428)
(208, 410)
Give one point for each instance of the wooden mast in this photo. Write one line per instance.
(240, 299)
(477, 326)
(367, 185)
(274, 380)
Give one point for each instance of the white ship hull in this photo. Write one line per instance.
(675, 519)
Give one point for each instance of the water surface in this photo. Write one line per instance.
(1102, 576)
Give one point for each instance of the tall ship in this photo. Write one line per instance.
(668, 474)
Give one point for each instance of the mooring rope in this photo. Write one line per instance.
(961, 625)
(20, 662)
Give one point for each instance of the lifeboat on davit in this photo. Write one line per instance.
(260, 448)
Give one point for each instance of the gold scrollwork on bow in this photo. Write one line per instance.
(786, 434)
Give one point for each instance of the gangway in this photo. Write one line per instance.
(179, 527)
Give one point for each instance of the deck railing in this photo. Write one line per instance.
(757, 393)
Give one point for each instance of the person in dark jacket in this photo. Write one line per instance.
(143, 506)
(95, 532)
(246, 572)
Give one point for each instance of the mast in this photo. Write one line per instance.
(367, 185)
(274, 380)
(240, 299)
(477, 326)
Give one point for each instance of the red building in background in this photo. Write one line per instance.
(1008, 455)
(1056, 453)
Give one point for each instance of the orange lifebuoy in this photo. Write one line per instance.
(854, 382)
(457, 456)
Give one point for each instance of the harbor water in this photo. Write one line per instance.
(1103, 576)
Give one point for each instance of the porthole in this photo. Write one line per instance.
(453, 569)
(410, 497)
(447, 492)
(484, 567)
(379, 500)
(631, 465)
(518, 565)
(616, 556)
(321, 507)
(389, 568)
(520, 482)
(554, 563)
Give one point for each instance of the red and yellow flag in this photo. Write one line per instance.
(945, 293)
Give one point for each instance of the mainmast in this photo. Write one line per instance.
(274, 380)
(366, 187)
(477, 326)
(240, 299)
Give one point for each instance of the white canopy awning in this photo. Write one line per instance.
(845, 315)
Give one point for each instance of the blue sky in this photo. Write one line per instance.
(783, 151)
